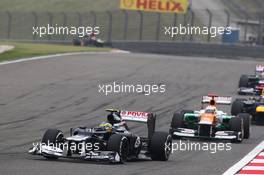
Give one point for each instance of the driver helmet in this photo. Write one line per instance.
(106, 126)
(210, 109)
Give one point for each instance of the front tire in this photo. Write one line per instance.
(52, 137)
(160, 146)
(119, 144)
(236, 124)
(246, 124)
(177, 120)
(76, 42)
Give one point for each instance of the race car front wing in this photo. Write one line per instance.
(249, 91)
(223, 135)
(47, 151)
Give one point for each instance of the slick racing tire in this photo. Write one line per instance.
(236, 124)
(177, 120)
(246, 124)
(119, 144)
(160, 146)
(86, 42)
(243, 81)
(76, 42)
(52, 137)
(237, 107)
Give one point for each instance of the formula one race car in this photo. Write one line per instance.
(252, 84)
(210, 122)
(88, 40)
(107, 142)
(254, 106)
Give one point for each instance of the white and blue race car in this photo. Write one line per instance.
(113, 143)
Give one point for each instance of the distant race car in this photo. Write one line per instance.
(111, 143)
(88, 40)
(254, 106)
(252, 84)
(210, 122)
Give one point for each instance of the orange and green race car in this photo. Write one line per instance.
(209, 122)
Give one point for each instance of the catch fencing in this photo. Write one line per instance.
(132, 25)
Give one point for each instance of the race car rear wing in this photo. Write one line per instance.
(225, 100)
(142, 117)
(134, 116)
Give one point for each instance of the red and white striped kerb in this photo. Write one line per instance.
(255, 166)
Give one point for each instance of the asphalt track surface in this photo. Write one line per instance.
(62, 92)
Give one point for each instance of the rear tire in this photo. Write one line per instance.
(119, 144)
(246, 124)
(160, 146)
(236, 124)
(237, 107)
(86, 42)
(52, 137)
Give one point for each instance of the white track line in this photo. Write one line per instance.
(54, 56)
(243, 162)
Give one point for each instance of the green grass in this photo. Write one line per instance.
(59, 5)
(24, 50)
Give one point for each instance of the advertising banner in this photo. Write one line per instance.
(164, 6)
